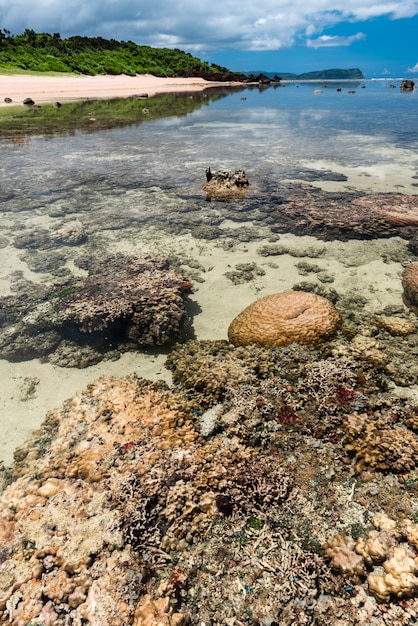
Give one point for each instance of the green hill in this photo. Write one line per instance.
(42, 52)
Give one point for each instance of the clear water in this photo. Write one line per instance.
(138, 174)
(272, 134)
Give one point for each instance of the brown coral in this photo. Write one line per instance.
(124, 479)
(124, 303)
(341, 550)
(390, 544)
(410, 287)
(284, 318)
(379, 445)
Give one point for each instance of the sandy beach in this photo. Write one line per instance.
(68, 87)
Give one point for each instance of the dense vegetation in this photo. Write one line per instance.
(42, 52)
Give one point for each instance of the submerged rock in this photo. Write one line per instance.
(305, 210)
(123, 303)
(224, 185)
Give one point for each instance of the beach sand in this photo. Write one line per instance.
(68, 87)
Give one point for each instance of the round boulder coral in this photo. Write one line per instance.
(284, 318)
(410, 287)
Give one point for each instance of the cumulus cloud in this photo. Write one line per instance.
(414, 69)
(327, 41)
(200, 26)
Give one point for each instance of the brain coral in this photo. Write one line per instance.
(284, 318)
(410, 287)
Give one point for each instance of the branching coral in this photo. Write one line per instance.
(125, 480)
(210, 367)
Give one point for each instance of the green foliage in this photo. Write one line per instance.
(43, 52)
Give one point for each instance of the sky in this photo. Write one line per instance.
(380, 37)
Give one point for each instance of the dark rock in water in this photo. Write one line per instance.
(312, 175)
(8, 100)
(28, 101)
(224, 185)
(413, 245)
(124, 303)
(305, 210)
(407, 85)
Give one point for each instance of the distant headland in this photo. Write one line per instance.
(332, 74)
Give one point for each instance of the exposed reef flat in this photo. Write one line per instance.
(236, 497)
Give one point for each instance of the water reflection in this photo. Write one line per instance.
(19, 124)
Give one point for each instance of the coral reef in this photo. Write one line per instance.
(284, 318)
(379, 445)
(229, 499)
(122, 304)
(305, 210)
(209, 368)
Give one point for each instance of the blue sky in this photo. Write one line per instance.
(377, 36)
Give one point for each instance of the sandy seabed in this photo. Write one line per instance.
(69, 87)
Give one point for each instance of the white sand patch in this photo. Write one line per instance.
(380, 178)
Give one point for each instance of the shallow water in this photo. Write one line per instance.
(132, 178)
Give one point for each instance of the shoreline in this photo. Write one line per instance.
(45, 89)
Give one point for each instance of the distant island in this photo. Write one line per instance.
(333, 74)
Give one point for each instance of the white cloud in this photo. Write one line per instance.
(200, 25)
(414, 69)
(327, 41)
